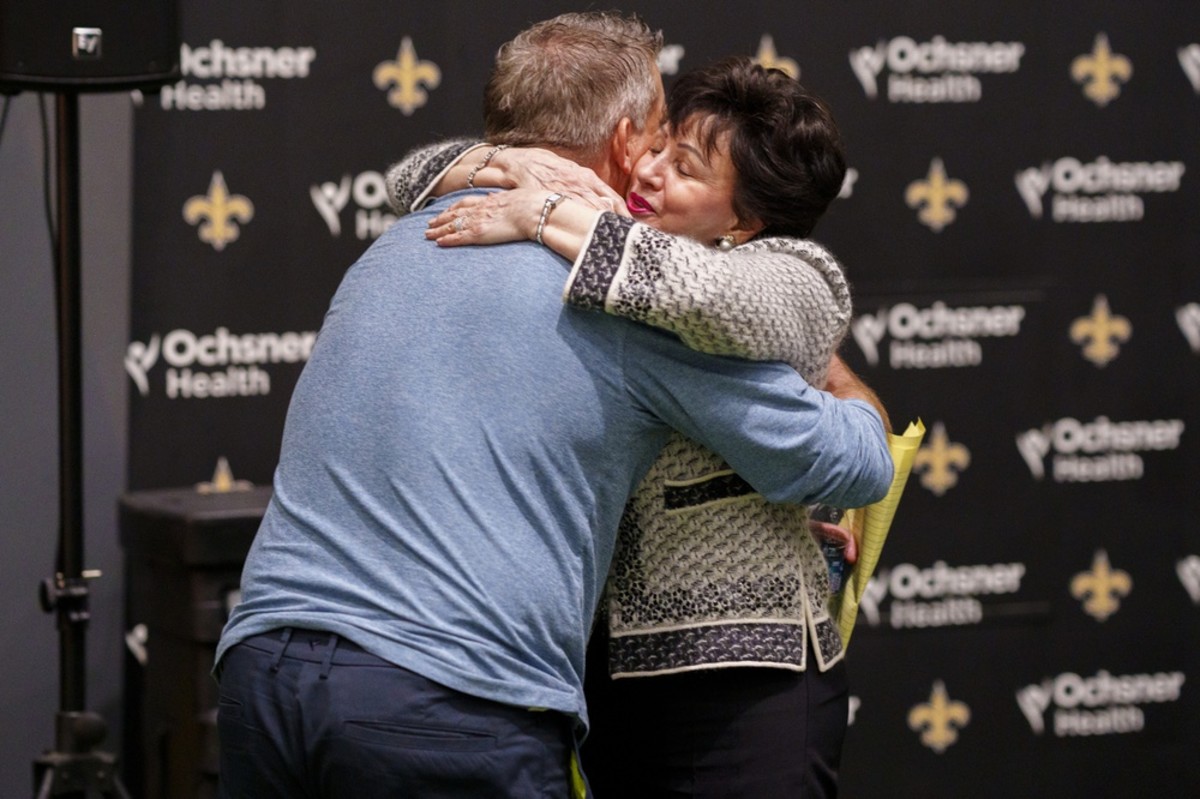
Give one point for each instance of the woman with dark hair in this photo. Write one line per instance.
(716, 595)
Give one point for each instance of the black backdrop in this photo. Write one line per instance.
(1020, 226)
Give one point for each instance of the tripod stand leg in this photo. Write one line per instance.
(47, 784)
(78, 774)
(76, 767)
(118, 789)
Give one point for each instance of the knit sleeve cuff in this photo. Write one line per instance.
(600, 259)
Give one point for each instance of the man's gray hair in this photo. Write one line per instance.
(566, 82)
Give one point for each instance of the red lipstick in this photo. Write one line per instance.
(637, 204)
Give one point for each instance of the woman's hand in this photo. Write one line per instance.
(492, 219)
(535, 168)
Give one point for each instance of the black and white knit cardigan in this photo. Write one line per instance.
(707, 573)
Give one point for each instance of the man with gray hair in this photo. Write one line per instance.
(456, 457)
(548, 90)
(552, 87)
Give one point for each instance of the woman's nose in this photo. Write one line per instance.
(649, 169)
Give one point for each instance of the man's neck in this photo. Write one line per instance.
(603, 165)
(613, 175)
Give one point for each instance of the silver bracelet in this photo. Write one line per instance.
(551, 203)
(483, 163)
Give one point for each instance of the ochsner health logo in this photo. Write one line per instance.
(368, 190)
(1096, 451)
(937, 596)
(1104, 704)
(936, 71)
(1188, 318)
(220, 364)
(1097, 191)
(934, 337)
(1189, 59)
(229, 76)
(1188, 571)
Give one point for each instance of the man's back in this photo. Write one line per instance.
(458, 452)
(448, 450)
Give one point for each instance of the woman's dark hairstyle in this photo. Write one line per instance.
(783, 141)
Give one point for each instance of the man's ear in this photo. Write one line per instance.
(621, 151)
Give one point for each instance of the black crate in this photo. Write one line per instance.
(183, 560)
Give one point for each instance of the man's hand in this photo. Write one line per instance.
(844, 384)
(824, 531)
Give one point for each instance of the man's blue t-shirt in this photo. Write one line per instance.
(460, 446)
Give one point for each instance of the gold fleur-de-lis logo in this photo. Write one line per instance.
(1101, 72)
(939, 719)
(1101, 333)
(221, 211)
(940, 461)
(1101, 587)
(768, 58)
(937, 195)
(222, 480)
(407, 75)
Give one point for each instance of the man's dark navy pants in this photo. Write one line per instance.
(308, 714)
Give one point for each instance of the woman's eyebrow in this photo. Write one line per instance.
(683, 145)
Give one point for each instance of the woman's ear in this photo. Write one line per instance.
(745, 230)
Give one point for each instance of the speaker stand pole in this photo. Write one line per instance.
(76, 767)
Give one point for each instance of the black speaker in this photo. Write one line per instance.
(88, 45)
